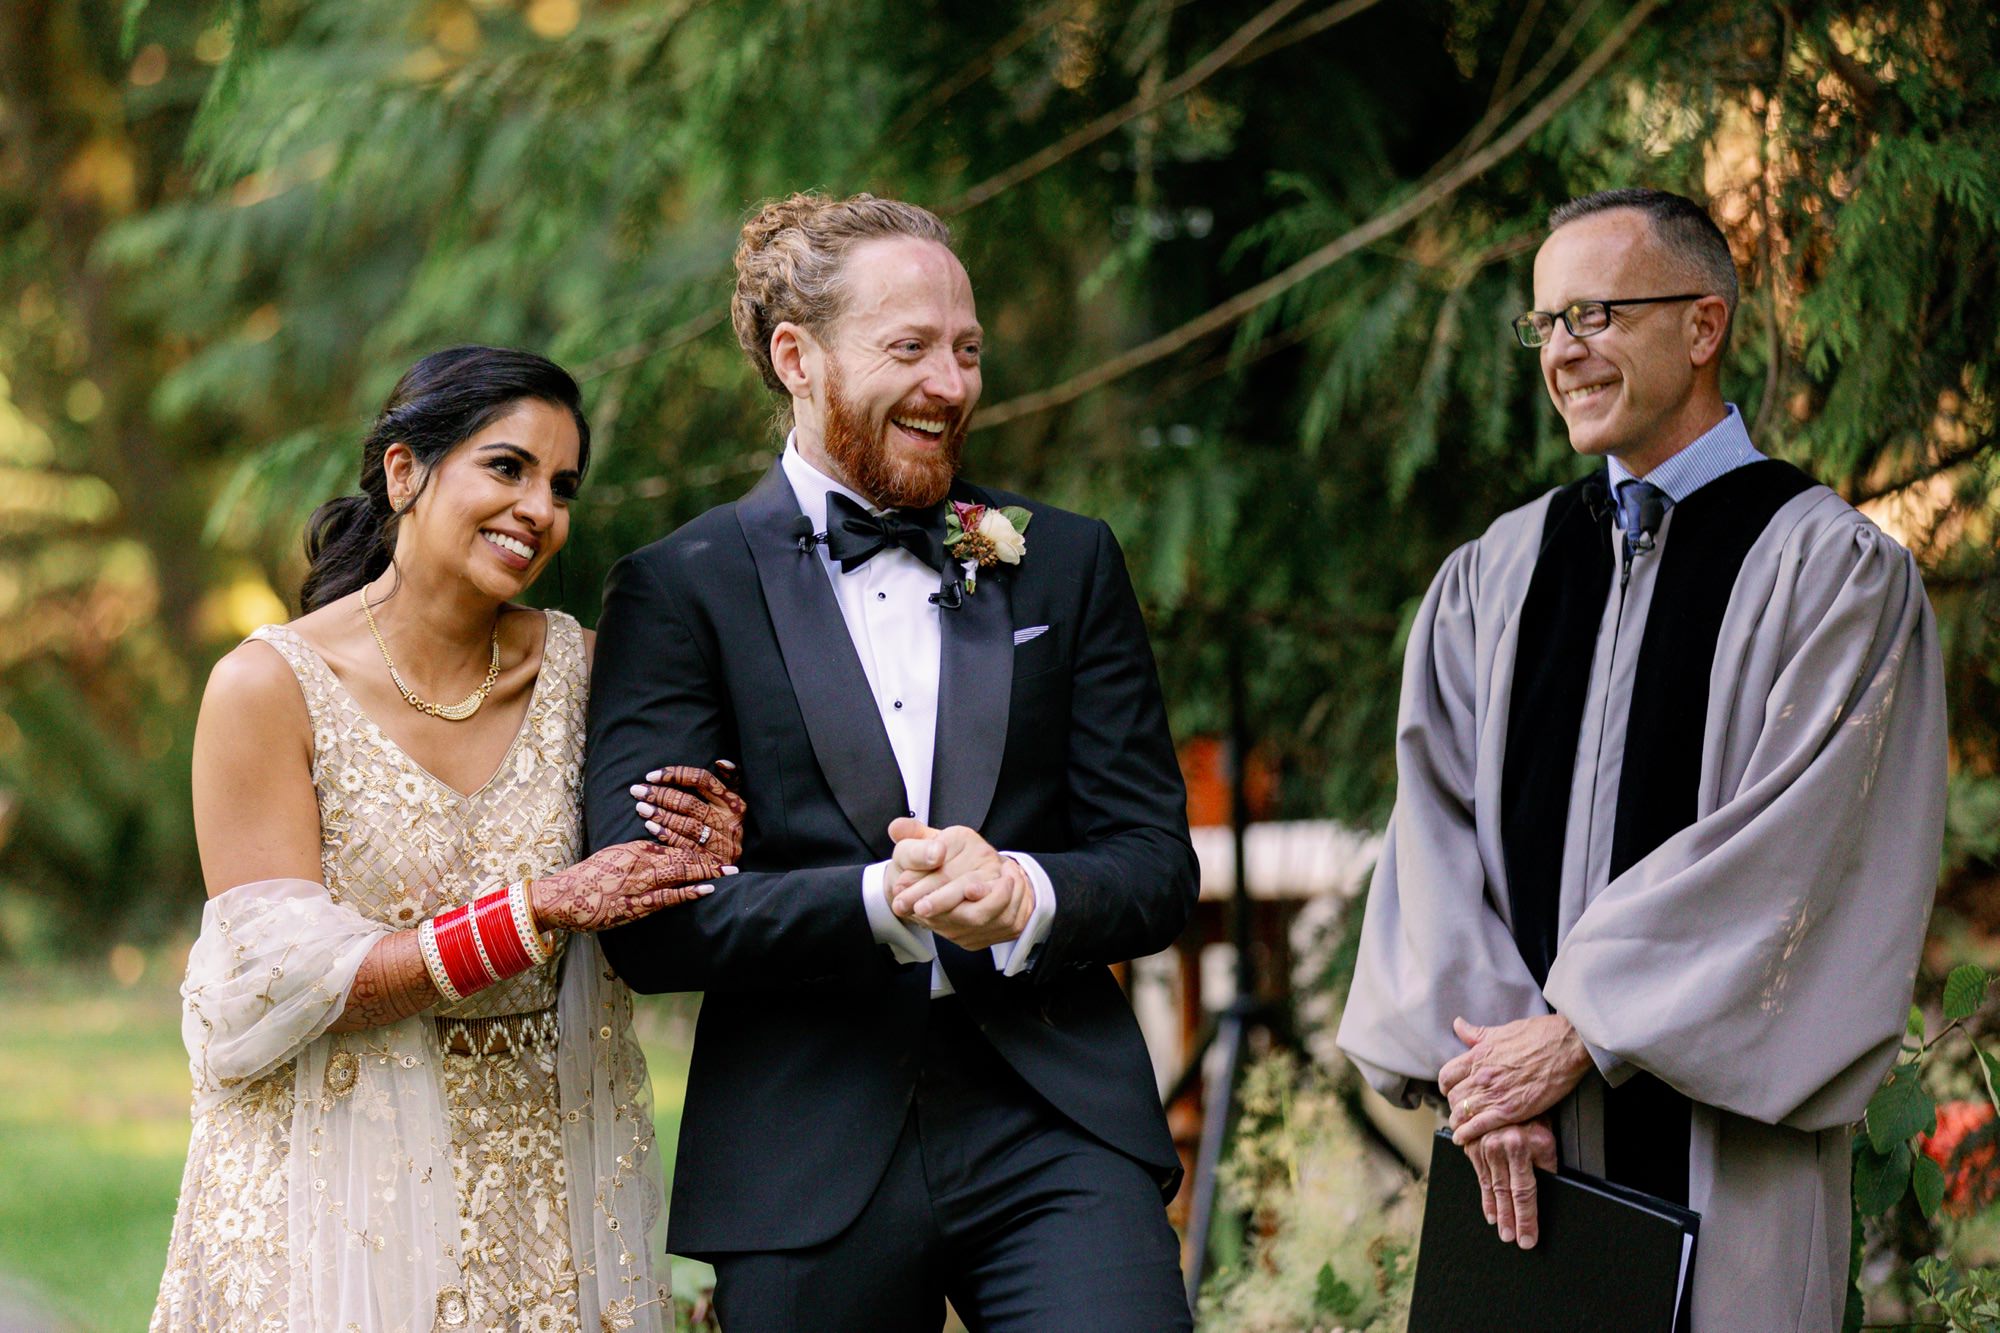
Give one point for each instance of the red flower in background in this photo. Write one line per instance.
(1970, 1184)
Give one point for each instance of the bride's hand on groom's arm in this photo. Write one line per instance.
(694, 808)
(621, 884)
(953, 882)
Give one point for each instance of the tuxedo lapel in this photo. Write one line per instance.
(847, 735)
(975, 682)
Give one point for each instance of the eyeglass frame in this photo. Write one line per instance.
(1574, 307)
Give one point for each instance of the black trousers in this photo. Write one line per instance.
(993, 1200)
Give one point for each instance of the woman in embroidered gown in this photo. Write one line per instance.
(375, 1148)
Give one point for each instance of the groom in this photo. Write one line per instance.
(915, 1077)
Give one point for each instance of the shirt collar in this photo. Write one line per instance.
(811, 486)
(1719, 450)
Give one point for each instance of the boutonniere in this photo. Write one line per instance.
(980, 537)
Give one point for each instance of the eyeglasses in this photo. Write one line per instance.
(1581, 318)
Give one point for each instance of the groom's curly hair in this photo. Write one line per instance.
(790, 259)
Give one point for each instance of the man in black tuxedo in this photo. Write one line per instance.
(914, 1076)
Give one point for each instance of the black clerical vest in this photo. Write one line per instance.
(1646, 1122)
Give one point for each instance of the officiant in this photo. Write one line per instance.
(1670, 799)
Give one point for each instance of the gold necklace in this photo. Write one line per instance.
(457, 712)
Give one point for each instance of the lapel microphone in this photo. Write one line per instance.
(804, 536)
(950, 595)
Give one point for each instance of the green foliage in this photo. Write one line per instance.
(1899, 1110)
(322, 190)
(1880, 1178)
(1964, 991)
(1969, 1301)
(1893, 1162)
(1332, 1230)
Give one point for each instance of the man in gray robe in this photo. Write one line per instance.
(1670, 799)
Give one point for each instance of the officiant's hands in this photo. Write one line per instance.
(953, 882)
(1505, 1162)
(1512, 1073)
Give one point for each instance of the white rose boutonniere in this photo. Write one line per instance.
(980, 537)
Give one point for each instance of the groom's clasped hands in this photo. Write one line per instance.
(952, 882)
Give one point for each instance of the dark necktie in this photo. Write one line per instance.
(854, 536)
(1641, 507)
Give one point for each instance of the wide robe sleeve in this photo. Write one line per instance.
(1434, 940)
(1761, 960)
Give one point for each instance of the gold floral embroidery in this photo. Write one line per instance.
(452, 1310)
(341, 1071)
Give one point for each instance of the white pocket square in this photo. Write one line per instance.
(1021, 636)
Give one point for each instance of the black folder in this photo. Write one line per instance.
(1607, 1257)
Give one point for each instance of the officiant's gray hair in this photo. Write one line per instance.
(1684, 227)
(790, 259)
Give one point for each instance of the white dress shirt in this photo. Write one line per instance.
(894, 625)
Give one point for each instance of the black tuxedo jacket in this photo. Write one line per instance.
(724, 641)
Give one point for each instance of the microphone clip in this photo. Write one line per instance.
(804, 536)
(950, 595)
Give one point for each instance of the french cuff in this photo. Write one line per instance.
(1013, 957)
(908, 943)
(1614, 1068)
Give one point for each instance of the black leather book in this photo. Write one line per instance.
(1607, 1257)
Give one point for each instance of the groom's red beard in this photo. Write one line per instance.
(862, 454)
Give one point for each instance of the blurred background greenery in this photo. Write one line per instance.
(1246, 271)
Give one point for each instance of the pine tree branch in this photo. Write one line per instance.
(1390, 220)
(1506, 101)
(685, 332)
(1938, 466)
(975, 70)
(1110, 122)
(1229, 52)
(1305, 28)
(1517, 46)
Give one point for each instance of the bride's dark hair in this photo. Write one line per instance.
(440, 402)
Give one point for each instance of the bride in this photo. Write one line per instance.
(418, 1103)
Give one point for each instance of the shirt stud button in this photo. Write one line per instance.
(881, 596)
(899, 703)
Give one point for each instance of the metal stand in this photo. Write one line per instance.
(1246, 1013)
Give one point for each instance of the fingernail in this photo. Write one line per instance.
(1507, 1233)
(703, 890)
(1527, 1241)
(652, 828)
(730, 870)
(646, 809)
(725, 763)
(637, 789)
(655, 775)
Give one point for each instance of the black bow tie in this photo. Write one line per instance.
(854, 536)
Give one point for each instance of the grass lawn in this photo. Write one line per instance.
(94, 1127)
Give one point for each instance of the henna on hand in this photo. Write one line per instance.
(679, 803)
(621, 884)
(391, 985)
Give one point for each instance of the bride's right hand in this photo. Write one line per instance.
(621, 884)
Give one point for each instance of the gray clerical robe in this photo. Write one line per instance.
(1759, 960)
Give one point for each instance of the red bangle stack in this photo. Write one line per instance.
(493, 918)
(460, 951)
(473, 945)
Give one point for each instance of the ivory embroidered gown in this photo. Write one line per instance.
(314, 1142)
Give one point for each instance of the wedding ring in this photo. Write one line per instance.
(706, 832)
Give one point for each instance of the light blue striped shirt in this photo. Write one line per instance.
(1721, 449)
